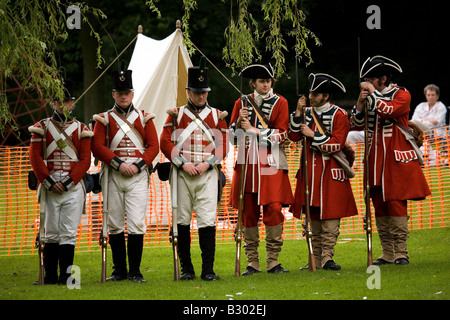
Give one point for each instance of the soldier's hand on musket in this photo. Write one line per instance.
(190, 169)
(248, 128)
(306, 131)
(301, 103)
(367, 86)
(243, 114)
(58, 188)
(366, 89)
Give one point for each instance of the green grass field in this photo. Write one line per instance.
(427, 277)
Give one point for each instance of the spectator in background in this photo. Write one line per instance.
(430, 114)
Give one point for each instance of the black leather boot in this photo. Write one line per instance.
(184, 252)
(119, 257)
(135, 246)
(51, 257)
(207, 237)
(66, 254)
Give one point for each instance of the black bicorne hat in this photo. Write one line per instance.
(122, 80)
(198, 77)
(379, 66)
(324, 83)
(258, 71)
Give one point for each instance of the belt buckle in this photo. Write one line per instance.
(61, 143)
(125, 128)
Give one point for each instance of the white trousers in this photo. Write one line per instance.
(127, 197)
(197, 194)
(63, 215)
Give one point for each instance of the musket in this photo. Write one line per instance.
(42, 193)
(238, 230)
(368, 215)
(307, 226)
(40, 239)
(105, 212)
(174, 238)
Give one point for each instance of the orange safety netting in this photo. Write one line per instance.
(19, 210)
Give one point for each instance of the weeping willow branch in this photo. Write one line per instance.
(277, 12)
(188, 5)
(31, 31)
(244, 34)
(241, 37)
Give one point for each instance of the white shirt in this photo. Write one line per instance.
(259, 97)
(438, 112)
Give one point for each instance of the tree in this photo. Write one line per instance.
(31, 30)
(244, 31)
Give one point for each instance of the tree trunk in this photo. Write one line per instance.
(92, 101)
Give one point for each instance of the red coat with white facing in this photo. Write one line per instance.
(196, 143)
(57, 160)
(126, 147)
(329, 186)
(393, 163)
(266, 163)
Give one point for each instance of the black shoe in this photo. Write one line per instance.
(277, 269)
(187, 276)
(137, 278)
(331, 265)
(380, 262)
(210, 277)
(401, 261)
(307, 267)
(116, 277)
(249, 271)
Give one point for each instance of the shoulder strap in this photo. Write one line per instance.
(68, 139)
(261, 116)
(319, 123)
(398, 124)
(131, 125)
(44, 139)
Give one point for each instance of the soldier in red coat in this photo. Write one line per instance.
(261, 150)
(395, 174)
(60, 155)
(126, 142)
(331, 196)
(194, 140)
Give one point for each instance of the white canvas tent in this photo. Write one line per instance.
(160, 75)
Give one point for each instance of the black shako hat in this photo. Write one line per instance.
(379, 66)
(68, 90)
(198, 77)
(324, 83)
(258, 71)
(122, 80)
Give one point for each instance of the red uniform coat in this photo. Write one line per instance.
(76, 169)
(329, 186)
(393, 163)
(266, 163)
(195, 147)
(143, 124)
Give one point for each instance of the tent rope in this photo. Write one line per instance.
(101, 75)
(224, 76)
